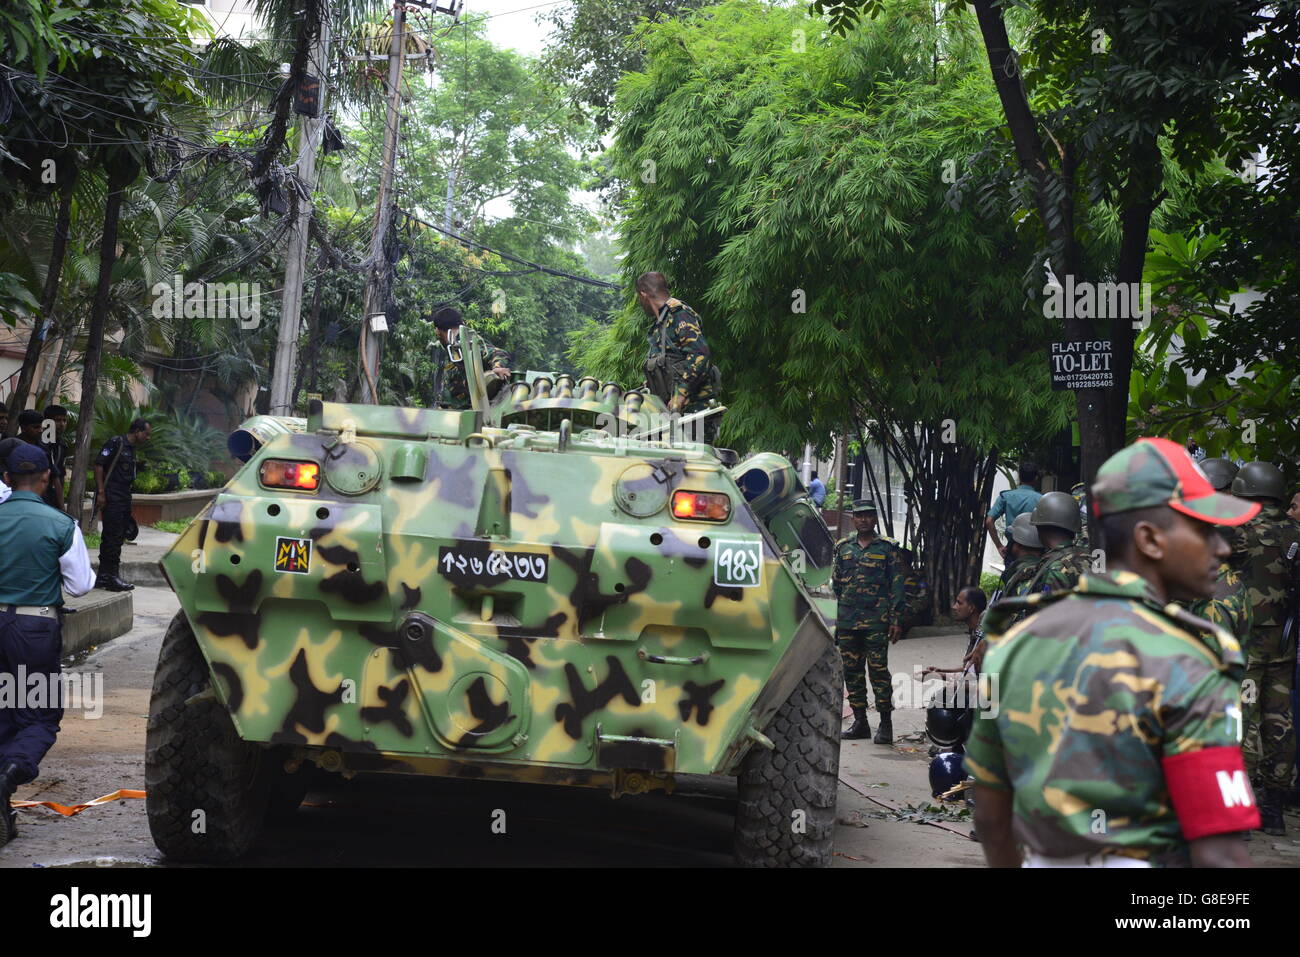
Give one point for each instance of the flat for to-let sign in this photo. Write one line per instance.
(1082, 364)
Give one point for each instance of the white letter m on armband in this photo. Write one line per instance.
(1234, 788)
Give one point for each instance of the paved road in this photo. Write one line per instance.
(411, 822)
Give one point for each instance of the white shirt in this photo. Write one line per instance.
(78, 576)
(5, 491)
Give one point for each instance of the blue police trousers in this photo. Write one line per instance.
(27, 733)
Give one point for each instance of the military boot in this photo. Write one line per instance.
(8, 816)
(885, 733)
(860, 728)
(1270, 812)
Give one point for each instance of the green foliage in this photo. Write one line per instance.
(175, 527)
(811, 175)
(176, 440)
(989, 583)
(147, 483)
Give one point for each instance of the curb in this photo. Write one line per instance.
(100, 617)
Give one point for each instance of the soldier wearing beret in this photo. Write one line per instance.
(54, 560)
(451, 388)
(1115, 739)
(872, 600)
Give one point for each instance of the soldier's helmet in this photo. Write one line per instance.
(947, 770)
(1058, 509)
(1220, 472)
(1259, 480)
(1024, 533)
(948, 727)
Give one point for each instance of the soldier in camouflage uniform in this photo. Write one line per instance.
(1114, 741)
(1229, 607)
(1056, 516)
(1080, 495)
(1026, 551)
(452, 391)
(679, 367)
(1266, 553)
(868, 582)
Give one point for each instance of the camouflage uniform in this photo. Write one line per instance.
(455, 389)
(1099, 685)
(677, 333)
(868, 583)
(917, 590)
(1229, 608)
(1259, 556)
(1080, 494)
(1060, 568)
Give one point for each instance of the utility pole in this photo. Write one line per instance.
(309, 132)
(377, 283)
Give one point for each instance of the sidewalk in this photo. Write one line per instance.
(140, 558)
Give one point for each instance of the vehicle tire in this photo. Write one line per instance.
(800, 775)
(206, 788)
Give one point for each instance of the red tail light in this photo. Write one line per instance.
(701, 506)
(303, 476)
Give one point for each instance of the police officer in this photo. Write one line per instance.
(1056, 516)
(31, 638)
(1115, 737)
(57, 450)
(868, 582)
(1013, 502)
(1266, 553)
(452, 391)
(114, 474)
(679, 367)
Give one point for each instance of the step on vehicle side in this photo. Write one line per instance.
(548, 588)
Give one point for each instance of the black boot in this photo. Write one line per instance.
(112, 583)
(8, 816)
(860, 728)
(885, 733)
(1270, 812)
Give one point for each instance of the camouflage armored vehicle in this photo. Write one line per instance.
(548, 588)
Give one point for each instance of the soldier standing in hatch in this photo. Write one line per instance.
(1056, 517)
(868, 583)
(451, 391)
(679, 368)
(1114, 743)
(1266, 553)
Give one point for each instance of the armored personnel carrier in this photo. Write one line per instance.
(551, 588)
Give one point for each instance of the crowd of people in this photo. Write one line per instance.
(1145, 676)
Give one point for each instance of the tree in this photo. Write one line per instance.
(1086, 107)
(594, 42)
(796, 190)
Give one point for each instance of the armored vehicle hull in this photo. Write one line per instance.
(436, 592)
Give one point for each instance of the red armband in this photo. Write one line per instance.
(1210, 792)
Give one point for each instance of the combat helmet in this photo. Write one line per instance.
(1259, 480)
(1023, 532)
(1058, 509)
(947, 770)
(948, 727)
(1220, 472)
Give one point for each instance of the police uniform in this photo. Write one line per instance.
(868, 583)
(54, 559)
(678, 347)
(118, 479)
(1013, 502)
(1118, 715)
(454, 391)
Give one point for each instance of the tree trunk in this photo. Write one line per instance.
(122, 172)
(35, 342)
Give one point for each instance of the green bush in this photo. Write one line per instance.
(990, 583)
(175, 527)
(216, 479)
(147, 483)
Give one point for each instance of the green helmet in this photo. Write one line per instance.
(1220, 472)
(1259, 480)
(1058, 509)
(1024, 533)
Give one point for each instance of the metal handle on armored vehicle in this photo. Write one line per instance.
(671, 659)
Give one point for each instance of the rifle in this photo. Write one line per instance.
(1292, 623)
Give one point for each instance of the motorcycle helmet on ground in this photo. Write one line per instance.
(947, 770)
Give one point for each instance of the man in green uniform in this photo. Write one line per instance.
(1266, 553)
(868, 582)
(1056, 516)
(1080, 495)
(679, 368)
(1013, 502)
(53, 559)
(1229, 606)
(1026, 553)
(452, 391)
(1114, 742)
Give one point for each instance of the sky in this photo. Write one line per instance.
(513, 23)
